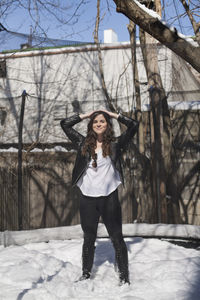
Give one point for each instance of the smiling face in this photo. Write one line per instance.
(99, 125)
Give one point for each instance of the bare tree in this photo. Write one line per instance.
(165, 162)
(96, 39)
(153, 25)
(65, 15)
(192, 9)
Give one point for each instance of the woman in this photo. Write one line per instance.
(98, 173)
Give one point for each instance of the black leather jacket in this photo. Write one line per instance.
(117, 146)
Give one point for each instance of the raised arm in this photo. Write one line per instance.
(132, 128)
(67, 126)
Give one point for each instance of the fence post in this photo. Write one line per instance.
(20, 147)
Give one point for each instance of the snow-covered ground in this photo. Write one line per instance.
(159, 270)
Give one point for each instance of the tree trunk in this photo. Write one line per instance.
(144, 194)
(158, 7)
(160, 136)
(164, 184)
(96, 40)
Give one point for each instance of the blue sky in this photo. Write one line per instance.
(19, 21)
(82, 30)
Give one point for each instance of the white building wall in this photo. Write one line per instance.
(54, 82)
(110, 36)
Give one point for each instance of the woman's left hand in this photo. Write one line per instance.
(111, 114)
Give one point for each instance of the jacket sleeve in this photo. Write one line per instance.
(70, 132)
(132, 128)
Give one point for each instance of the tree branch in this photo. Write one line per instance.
(152, 24)
(192, 20)
(96, 40)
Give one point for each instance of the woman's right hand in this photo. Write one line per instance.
(88, 115)
(111, 114)
(85, 116)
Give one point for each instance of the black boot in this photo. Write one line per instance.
(86, 275)
(87, 258)
(121, 256)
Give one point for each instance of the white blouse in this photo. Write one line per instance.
(99, 181)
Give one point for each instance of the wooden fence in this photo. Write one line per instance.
(48, 200)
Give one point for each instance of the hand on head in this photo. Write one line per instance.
(88, 115)
(111, 114)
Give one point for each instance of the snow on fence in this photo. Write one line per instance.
(170, 231)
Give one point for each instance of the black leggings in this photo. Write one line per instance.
(108, 207)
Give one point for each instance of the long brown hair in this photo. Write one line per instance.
(91, 138)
